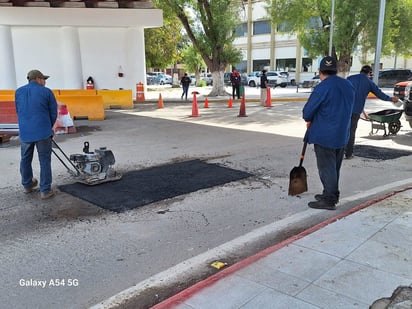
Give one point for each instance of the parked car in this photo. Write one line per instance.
(163, 79)
(276, 79)
(290, 76)
(404, 91)
(390, 77)
(226, 78)
(154, 74)
(208, 79)
(253, 79)
(150, 80)
(193, 80)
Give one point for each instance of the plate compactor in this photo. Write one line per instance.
(90, 168)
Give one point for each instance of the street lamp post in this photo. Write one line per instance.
(332, 21)
(379, 41)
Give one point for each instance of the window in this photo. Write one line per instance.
(259, 65)
(261, 27)
(241, 67)
(241, 30)
(284, 27)
(314, 23)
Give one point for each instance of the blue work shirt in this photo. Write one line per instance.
(36, 109)
(329, 109)
(363, 85)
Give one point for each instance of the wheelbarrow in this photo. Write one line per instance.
(386, 120)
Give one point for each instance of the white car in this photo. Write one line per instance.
(253, 79)
(275, 79)
(193, 80)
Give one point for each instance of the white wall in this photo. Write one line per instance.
(37, 49)
(70, 48)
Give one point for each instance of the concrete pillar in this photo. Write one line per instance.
(249, 36)
(7, 65)
(298, 61)
(71, 58)
(135, 68)
(272, 47)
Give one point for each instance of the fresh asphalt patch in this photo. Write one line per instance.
(379, 153)
(142, 187)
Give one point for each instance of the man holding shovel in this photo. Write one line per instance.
(329, 110)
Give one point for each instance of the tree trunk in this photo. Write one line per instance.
(218, 85)
(344, 64)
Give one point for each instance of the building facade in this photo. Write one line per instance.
(73, 40)
(265, 48)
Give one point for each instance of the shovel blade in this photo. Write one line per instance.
(298, 181)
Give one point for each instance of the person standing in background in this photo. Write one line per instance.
(36, 109)
(235, 79)
(263, 87)
(185, 81)
(363, 85)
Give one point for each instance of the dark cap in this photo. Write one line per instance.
(328, 64)
(33, 74)
(366, 69)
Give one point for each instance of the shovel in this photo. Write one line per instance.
(297, 178)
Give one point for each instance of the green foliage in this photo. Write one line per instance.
(355, 24)
(209, 25)
(192, 60)
(162, 44)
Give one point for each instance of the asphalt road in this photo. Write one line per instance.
(99, 253)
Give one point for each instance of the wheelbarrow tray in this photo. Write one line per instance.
(386, 115)
(389, 117)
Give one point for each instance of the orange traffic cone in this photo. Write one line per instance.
(230, 103)
(160, 103)
(242, 111)
(206, 103)
(195, 110)
(64, 123)
(268, 98)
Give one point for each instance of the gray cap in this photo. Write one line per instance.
(33, 74)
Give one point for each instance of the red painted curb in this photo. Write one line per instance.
(185, 294)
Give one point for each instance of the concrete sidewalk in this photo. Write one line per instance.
(349, 261)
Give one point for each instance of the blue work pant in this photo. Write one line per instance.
(44, 149)
(329, 162)
(351, 142)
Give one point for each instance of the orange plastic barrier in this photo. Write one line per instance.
(77, 92)
(140, 92)
(8, 111)
(7, 92)
(84, 106)
(117, 98)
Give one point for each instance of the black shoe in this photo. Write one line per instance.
(319, 197)
(322, 205)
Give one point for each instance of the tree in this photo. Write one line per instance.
(162, 44)
(355, 24)
(192, 60)
(210, 27)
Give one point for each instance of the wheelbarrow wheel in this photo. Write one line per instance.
(394, 127)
